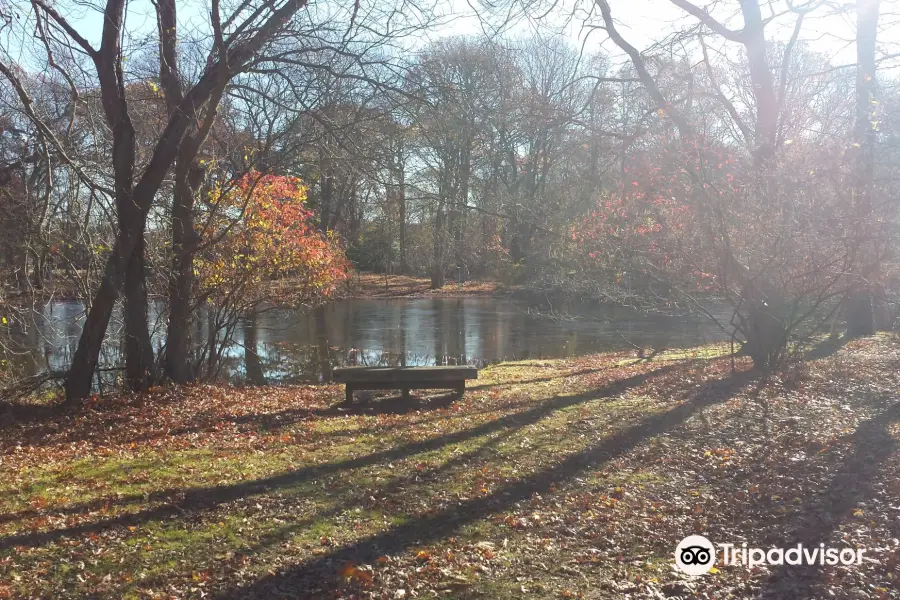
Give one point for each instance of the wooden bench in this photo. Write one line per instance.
(404, 378)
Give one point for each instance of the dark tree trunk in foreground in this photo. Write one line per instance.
(185, 243)
(177, 362)
(138, 346)
(189, 176)
(84, 362)
(184, 246)
(766, 334)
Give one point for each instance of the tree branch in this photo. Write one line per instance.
(28, 106)
(684, 128)
(70, 31)
(728, 104)
(709, 21)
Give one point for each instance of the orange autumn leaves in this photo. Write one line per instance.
(259, 230)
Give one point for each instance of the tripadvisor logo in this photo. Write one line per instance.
(696, 555)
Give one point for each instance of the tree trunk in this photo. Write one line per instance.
(253, 364)
(138, 346)
(860, 316)
(761, 78)
(437, 265)
(37, 271)
(323, 354)
(178, 364)
(84, 361)
(329, 216)
(860, 313)
(766, 335)
(401, 201)
(184, 246)
(465, 168)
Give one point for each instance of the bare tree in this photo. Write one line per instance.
(239, 38)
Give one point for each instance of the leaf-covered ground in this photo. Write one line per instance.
(552, 479)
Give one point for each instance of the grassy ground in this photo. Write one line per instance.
(549, 479)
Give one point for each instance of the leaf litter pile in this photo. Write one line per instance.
(549, 479)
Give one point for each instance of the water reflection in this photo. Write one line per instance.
(289, 346)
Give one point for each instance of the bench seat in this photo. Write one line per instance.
(404, 378)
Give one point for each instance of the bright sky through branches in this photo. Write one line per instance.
(644, 22)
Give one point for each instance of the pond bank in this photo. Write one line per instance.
(558, 478)
(302, 346)
(376, 285)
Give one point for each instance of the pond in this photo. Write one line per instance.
(302, 346)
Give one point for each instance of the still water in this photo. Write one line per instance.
(302, 346)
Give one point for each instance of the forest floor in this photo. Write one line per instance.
(549, 479)
(375, 285)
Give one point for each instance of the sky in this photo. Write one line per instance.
(644, 22)
(641, 22)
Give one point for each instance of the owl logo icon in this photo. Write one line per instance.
(695, 555)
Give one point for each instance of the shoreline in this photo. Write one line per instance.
(377, 285)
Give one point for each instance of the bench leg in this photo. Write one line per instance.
(404, 393)
(461, 390)
(348, 393)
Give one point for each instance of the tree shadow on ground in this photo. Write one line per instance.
(179, 501)
(17, 414)
(313, 578)
(24, 423)
(275, 421)
(366, 404)
(796, 484)
(487, 386)
(823, 513)
(399, 485)
(51, 419)
(36, 424)
(826, 347)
